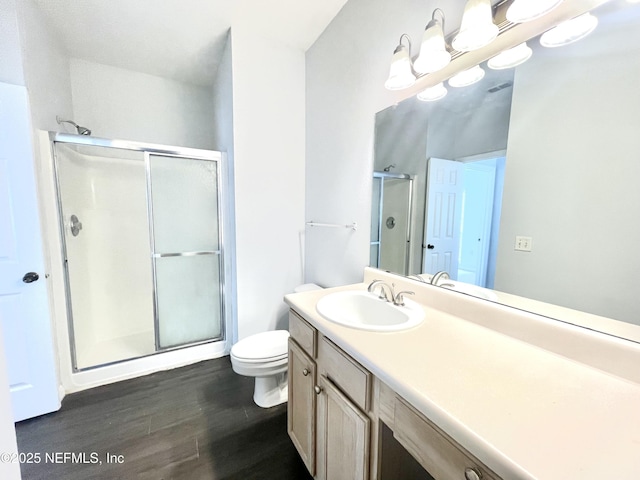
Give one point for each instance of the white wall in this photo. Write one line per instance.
(222, 131)
(11, 70)
(123, 104)
(46, 69)
(268, 124)
(346, 70)
(574, 138)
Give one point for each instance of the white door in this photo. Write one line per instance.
(479, 186)
(24, 308)
(442, 216)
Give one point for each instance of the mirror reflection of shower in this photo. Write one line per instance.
(81, 130)
(391, 225)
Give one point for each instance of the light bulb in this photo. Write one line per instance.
(477, 28)
(525, 10)
(433, 93)
(433, 51)
(400, 74)
(570, 31)
(467, 77)
(511, 58)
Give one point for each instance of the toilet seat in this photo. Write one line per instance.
(262, 347)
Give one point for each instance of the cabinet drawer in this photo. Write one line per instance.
(353, 379)
(442, 458)
(303, 333)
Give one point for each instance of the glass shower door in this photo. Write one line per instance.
(186, 243)
(102, 195)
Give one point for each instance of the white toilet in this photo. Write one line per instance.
(264, 356)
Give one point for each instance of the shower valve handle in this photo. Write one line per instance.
(30, 277)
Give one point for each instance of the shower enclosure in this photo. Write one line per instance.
(142, 247)
(391, 212)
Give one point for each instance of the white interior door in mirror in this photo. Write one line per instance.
(476, 221)
(445, 185)
(24, 311)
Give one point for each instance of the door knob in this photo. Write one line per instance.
(30, 277)
(430, 247)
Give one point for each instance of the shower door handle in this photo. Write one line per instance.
(30, 277)
(75, 225)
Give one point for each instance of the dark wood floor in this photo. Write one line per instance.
(195, 422)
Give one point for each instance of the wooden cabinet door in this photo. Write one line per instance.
(301, 409)
(343, 436)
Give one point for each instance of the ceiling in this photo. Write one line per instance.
(179, 39)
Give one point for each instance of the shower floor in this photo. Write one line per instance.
(114, 350)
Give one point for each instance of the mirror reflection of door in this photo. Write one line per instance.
(462, 217)
(443, 214)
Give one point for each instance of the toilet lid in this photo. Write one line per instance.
(264, 345)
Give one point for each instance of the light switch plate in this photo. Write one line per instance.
(523, 244)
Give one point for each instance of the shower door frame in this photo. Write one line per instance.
(398, 176)
(147, 149)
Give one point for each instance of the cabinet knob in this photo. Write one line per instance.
(305, 372)
(472, 474)
(317, 389)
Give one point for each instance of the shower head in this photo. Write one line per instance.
(79, 129)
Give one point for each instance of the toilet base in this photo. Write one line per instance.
(271, 390)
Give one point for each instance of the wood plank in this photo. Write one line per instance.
(195, 422)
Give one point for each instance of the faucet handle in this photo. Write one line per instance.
(399, 299)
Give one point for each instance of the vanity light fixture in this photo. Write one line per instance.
(477, 28)
(511, 58)
(467, 77)
(401, 74)
(570, 31)
(521, 11)
(432, 94)
(433, 51)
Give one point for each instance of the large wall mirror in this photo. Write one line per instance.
(531, 175)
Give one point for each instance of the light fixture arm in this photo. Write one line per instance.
(434, 19)
(404, 35)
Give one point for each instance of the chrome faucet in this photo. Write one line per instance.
(383, 295)
(440, 275)
(397, 299)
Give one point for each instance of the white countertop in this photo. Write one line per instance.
(522, 410)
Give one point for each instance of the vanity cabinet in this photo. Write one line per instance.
(432, 448)
(328, 395)
(347, 424)
(302, 404)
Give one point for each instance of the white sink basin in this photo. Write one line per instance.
(365, 311)
(469, 289)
